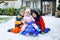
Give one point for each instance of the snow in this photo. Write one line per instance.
(50, 22)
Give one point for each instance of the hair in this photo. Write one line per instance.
(36, 12)
(22, 10)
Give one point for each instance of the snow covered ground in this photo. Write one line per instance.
(50, 21)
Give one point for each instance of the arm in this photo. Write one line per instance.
(32, 19)
(42, 24)
(23, 20)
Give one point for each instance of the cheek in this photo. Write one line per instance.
(33, 15)
(22, 13)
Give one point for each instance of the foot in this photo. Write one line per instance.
(9, 30)
(46, 30)
(35, 35)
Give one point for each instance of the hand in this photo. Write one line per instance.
(21, 25)
(23, 21)
(33, 20)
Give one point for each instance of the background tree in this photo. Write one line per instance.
(58, 5)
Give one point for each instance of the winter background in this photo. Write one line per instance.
(50, 22)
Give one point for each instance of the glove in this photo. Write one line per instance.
(38, 30)
(21, 32)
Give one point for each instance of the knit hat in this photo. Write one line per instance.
(27, 9)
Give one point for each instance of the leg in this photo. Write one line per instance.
(36, 27)
(23, 28)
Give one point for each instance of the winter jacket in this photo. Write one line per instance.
(41, 23)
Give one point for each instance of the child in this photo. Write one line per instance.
(40, 22)
(28, 20)
(18, 23)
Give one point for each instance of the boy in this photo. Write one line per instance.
(18, 23)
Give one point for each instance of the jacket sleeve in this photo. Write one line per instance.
(42, 24)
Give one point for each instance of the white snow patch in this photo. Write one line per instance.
(50, 22)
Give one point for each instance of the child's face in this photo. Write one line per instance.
(22, 13)
(34, 15)
(27, 13)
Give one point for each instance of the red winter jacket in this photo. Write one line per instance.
(41, 23)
